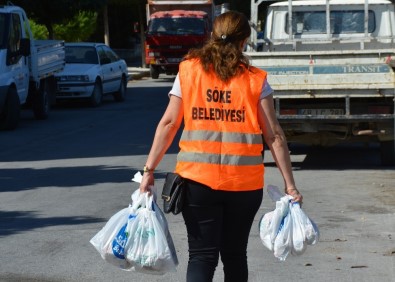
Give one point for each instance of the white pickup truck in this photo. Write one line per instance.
(27, 68)
(331, 64)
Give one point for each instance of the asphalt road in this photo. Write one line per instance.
(63, 178)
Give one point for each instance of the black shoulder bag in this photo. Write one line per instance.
(173, 193)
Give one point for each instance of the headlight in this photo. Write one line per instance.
(73, 78)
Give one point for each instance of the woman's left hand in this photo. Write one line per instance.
(297, 196)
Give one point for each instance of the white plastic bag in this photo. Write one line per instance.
(296, 232)
(299, 242)
(270, 223)
(111, 240)
(150, 248)
(265, 225)
(310, 230)
(274, 193)
(283, 241)
(165, 227)
(287, 229)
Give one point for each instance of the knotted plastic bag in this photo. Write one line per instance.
(150, 248)
(271, 222)
(111, 240)
(287, 229)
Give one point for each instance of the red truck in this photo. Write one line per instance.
(173, 28)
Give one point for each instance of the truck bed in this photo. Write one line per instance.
(346, 95)
(329, 73)
(50, 58)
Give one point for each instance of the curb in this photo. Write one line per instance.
(138, 73)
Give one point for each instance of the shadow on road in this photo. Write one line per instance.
(340, 157)
(75, 130)
(64, 177)
(14, 222)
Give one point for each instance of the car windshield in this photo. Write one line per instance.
(176, 26)
(341, 22)
(3, 31)
(81, 55)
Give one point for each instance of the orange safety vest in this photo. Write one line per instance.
(221, 145)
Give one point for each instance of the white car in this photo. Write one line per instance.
(92, 70)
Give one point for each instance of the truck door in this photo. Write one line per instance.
(17, 64)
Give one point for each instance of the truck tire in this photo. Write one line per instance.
(9, 118)
(154, 71)
(387, 152)
(97, 94)
(41, 100)
(120, 95)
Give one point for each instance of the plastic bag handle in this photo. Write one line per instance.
(148, 201)
(139, 203)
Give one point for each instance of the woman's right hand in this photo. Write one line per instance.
(147, 182)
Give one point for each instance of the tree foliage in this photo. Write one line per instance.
(80, 28)
(39, 31)
(49, 12)
(74, 20)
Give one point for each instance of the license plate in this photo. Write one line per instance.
(316, 112)
(174, 60)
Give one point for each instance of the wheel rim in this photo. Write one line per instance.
(97, 95)
(123, 89)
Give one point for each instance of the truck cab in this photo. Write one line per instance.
(169, 37)
(14, 71)
(27, 68)
(174, 27)
(347, 25)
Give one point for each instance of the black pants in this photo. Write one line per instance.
(218, 223)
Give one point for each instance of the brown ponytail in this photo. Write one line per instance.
(223, 52)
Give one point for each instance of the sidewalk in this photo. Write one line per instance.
(136, 73)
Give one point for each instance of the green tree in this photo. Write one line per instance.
(39, 31)
(80, 28)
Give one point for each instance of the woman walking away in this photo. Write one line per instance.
(226, 106)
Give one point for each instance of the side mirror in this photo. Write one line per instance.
(24, 47)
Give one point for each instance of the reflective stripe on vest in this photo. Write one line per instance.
(228, 137)
(221, 145)
(219, 159)
(221, 136)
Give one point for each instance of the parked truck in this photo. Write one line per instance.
(27, 68)
(173, 27)
(331, 64)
